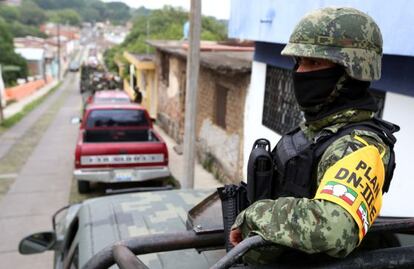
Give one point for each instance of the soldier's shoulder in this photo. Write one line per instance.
(347, 144)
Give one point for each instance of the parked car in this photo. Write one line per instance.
(74, 66)
(117, 143)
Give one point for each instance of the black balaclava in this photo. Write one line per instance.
(323, 92)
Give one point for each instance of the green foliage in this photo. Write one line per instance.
(22, 21)
(91, 10)
(9, 13)
(116, 12)
(9, 57)
(21, 30)
(141, 11)
(162, 24)
(65, 16)
(167, 24)
(31, 13)
(109, 56)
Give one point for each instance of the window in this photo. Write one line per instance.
(280, 110)
(221, 106)
(165, 68)
(116, 117)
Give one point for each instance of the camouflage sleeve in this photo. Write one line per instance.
(309, 225)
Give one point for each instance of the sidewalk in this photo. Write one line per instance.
(9, 138)
(42, 185)
(202, 178)
(15, 108)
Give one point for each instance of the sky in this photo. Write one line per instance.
(217, 8)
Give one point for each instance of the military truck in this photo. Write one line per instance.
(184, 229)
(95, 78)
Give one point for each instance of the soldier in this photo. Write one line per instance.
(332, 171)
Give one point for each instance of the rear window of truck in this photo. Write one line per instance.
(116, 118)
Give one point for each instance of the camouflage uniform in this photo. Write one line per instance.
(351, 39)
(310, 225)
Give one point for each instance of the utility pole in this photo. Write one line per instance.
(148, 30)
(1, 96)
(58, 42)
(193, 65)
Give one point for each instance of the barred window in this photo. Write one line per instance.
(280, 110)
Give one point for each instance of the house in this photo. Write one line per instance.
(49, 64)
(35, 58)
(270, 109)
(141, 74)
(223, 80)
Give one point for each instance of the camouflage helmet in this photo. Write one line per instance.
(345, 36)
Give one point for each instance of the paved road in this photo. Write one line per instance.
(43, 183)
(43, 145)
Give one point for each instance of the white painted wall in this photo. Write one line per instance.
(253, 113)
(400, 199)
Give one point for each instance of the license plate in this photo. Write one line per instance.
(122, 159)
(121, 176)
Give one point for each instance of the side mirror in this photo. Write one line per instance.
(76, 120)
(37, 243)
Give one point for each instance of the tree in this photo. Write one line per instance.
(9, 13)
(166, 23)
(21, 30)
(90, 15)
(64, 16)
(117, 12)
(9, 57)
(32, 14)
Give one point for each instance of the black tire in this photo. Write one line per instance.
(83, 186)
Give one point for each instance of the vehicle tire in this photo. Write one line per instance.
(83, 186)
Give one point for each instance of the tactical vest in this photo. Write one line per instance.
(296, 157)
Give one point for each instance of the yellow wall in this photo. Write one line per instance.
(146, 81)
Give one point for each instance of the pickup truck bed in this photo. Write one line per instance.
(112, 150)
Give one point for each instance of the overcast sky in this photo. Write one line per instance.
(217, 8)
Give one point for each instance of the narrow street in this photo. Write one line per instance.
(36, 166)
(43, 182)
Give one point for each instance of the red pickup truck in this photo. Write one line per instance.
(117, 143)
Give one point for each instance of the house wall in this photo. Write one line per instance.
(145, 82)
(220, 149)
(171, 97)
(253, 113)
(398, 109)
(35, 68)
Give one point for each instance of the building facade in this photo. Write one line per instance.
(223, 79)
(141, 75)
